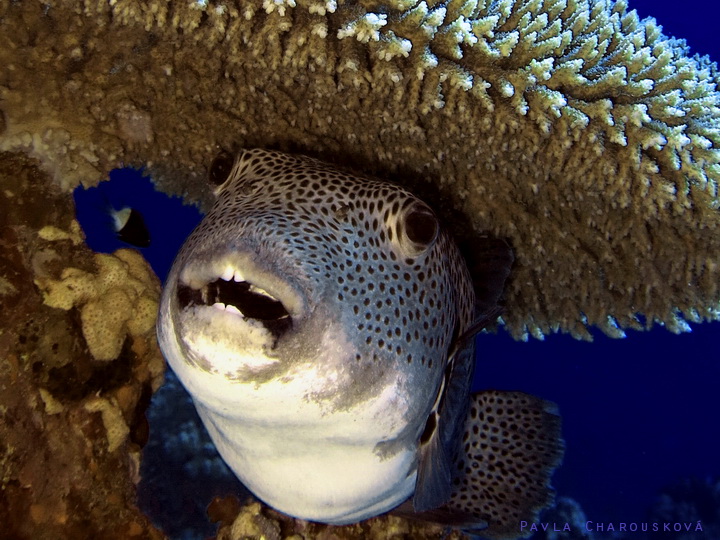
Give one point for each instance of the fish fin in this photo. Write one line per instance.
(438, 442)
(440, 439)
(433, 486)
(486, 319)
(510, 447)
(131, 228)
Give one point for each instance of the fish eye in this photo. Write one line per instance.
(420, 226)
(220, 168)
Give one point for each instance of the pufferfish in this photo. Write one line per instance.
(321, 322)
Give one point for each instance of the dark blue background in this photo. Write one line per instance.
(638, 413)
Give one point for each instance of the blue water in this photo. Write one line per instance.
(168, 219)
(695, 21)
(638, 413)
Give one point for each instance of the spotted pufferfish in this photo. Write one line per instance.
(321, 322)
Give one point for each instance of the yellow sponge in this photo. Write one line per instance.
(120, 298)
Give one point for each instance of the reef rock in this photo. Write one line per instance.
(253, 520)
(72, 424)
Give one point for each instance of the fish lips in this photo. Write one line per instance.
(243, 285)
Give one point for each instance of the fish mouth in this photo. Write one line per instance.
(236, 285)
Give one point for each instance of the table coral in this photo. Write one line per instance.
(570, 127)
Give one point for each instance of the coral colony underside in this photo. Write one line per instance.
(574, 129)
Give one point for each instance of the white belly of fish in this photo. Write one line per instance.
(299, 454)
(319, 479)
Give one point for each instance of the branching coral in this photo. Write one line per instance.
(577, 131)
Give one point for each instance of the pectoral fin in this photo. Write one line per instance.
(510, 448)
(433, 486)
(501, 476)
(444, 427)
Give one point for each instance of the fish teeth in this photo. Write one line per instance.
(233, 309)
(263, 292)
(228, 308)
(228, 273)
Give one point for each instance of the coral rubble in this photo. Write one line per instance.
(572, 128)
(252, 520)
(121, 297)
